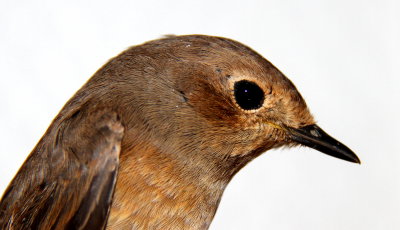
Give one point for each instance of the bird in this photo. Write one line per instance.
(153, 138)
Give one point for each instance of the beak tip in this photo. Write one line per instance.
(357, 160)
(350, 156)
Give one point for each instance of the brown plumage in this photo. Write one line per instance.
(154, 137)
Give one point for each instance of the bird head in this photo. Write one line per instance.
(214, 100)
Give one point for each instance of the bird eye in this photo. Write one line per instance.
(248, 95)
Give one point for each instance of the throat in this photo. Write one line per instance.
(155, 191)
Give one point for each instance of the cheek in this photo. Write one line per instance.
(216, 107)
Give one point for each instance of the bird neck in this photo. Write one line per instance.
(155, 190)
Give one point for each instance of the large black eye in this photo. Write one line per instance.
(248, 95)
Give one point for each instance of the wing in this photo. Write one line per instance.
(68, 180)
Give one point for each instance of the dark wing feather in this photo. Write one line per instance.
(68, 180)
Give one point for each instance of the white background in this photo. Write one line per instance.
(342, 55)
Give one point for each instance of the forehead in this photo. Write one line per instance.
(212, 50)
(223, 56)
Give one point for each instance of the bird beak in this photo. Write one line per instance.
(314, 137)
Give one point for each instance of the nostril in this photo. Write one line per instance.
(315, 133)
